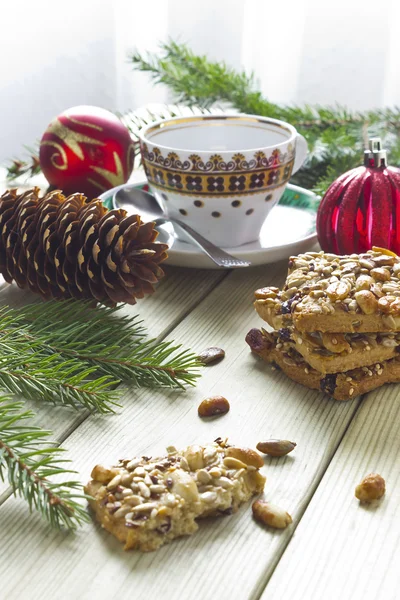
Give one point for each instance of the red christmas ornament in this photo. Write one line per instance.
(86, 149)
(361, 208)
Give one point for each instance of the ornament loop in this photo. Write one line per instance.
(376, 156)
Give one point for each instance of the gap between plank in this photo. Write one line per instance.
(258, 592)
(169, 328)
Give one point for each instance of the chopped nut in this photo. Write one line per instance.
(339, 290)
(267, 292)
(194, 456)
(366, 301)
(215, 405)
(389, 304)
(380, 274)
(276, 447)
(103, 474)
(271, 515)
(371, 488)
(246, 455)
(367, 264)
(203, 477)
(233, 463)
(211, 355)
(335, 342)
(364, 282)
(184, 485)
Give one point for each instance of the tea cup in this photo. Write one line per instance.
(221, 174)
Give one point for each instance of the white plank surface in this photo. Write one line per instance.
(343, 549)
(229, 557)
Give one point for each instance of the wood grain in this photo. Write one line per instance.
(228, 557)
(343, 549)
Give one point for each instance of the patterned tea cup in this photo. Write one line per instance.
(222, 174)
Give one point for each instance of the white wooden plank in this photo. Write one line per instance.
(228, 557)
(343, 549)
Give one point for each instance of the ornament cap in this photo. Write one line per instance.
(375, 156)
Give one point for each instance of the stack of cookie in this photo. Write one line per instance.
(336, 322)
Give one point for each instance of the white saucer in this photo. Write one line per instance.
(289, 229)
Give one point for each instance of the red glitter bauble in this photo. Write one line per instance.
(361, 209)
(86, 149)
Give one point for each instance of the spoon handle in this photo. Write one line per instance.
(217, 255)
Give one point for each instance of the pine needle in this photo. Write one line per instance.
(69, 353)
(30, 459)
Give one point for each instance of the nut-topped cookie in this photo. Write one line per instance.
(146, 502)
(358, 293)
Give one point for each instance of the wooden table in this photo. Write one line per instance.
(335, 548)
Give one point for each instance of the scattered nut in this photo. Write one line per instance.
(270, 514)
(276, 447)
(371, 488)
(211, 355)
(215, 405)
(250, 457)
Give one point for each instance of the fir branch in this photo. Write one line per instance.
(106, 343)
(28, 167)
(26, 370)
(30, 459)
(335, 135)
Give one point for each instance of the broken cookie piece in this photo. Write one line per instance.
(147, 502)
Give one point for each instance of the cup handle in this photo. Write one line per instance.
(301, 153)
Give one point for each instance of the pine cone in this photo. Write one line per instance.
(69, 247)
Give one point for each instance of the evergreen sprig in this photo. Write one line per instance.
(69, 353)
(103, 342)
(28, 167)
(335, 135)
(28, 459)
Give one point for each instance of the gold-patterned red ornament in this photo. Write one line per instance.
(70, 247)
(86, 149)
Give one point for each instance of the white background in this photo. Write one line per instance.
(55, 54)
